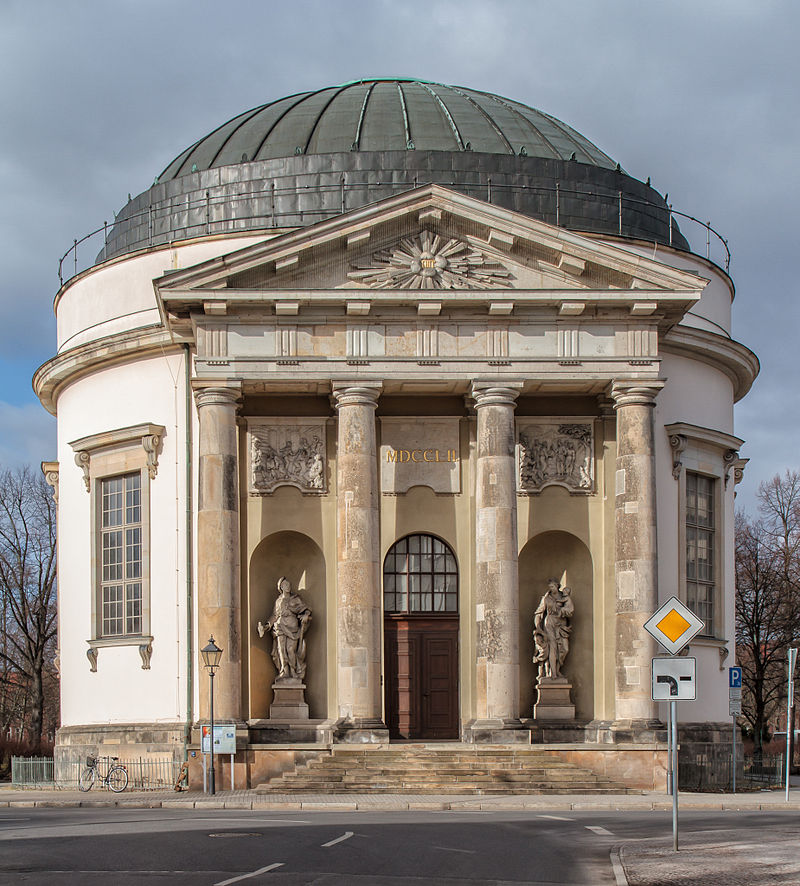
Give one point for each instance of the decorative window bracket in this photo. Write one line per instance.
(148, 435)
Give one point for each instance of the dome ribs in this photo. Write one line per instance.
(386, 114)
(320, 115)
(487, 117)
(357, 139)
(525, 125)
(409, 141)
(446, 113)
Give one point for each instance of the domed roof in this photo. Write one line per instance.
(387, 115)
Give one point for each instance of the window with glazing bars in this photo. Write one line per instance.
(700, 539)
(420, 575)
(121, 558)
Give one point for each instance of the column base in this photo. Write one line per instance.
(626, 731)
(496, 731)
(361, 731)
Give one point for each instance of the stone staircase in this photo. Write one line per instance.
(438, 769)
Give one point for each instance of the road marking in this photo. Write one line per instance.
(555, 817)
(345, 836)
(450, 849)
(598, 830)
(225, 818)
(269, 867)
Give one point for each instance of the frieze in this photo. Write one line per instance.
(556, 453)
(430, 261)
(283, 454)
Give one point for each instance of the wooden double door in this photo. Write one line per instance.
(421, 676)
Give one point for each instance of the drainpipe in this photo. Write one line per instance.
(187, 357)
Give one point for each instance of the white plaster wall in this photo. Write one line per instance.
(701, 395)
(121, 691)
(119, 295)
(713, 311)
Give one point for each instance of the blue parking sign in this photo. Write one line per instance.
(735, 677)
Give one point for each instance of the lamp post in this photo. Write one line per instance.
(211, 657)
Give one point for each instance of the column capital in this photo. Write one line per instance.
(635, 392)
(494, 393)
(356, 393)
(216, 392)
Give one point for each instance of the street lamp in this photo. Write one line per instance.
(211, 657)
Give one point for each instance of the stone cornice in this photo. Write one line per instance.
(736, 360)
(122, 347)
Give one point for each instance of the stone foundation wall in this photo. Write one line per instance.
(126, 740)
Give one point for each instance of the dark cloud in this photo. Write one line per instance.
(702, 97)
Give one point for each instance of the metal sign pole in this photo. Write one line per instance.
(734, 753)
(673, 710)
(789, 724)
(670, 781)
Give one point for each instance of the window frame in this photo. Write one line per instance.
(408, 612)
(102, 457)
(712, 455)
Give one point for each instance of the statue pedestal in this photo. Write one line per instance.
(553, 702)
(289, 701)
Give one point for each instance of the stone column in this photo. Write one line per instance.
(218, 586)
(496, 565)
(358, 605)
(635, 565)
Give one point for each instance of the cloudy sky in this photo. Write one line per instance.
(700, 95)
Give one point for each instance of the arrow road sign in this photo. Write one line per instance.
(674, 679)
(735, 677)
(674, 625)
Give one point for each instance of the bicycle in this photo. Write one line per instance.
(116, 777)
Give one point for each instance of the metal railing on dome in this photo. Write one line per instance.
(715, 246)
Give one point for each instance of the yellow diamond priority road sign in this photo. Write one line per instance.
(674, 625)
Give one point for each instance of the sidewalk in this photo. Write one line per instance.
(247, 799)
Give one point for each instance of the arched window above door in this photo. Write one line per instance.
(420, 575)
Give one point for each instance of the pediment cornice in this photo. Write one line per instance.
(507, 245)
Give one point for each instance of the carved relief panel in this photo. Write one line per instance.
(555, 452)
(286, 452)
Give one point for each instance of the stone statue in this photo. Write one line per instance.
(288, 623)
(551, 629)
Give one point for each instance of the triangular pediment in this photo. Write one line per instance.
(426, 240)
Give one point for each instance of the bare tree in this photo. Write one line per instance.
(27, 592)
(767, 598)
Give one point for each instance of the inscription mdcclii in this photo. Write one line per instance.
(418, 455)
(420, 452)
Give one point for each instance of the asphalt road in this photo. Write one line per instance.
(220, 848)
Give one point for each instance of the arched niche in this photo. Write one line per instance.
(566, 557)
(300, 559)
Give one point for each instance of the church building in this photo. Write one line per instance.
(420, 406)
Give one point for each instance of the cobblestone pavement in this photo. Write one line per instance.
(727, 858)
